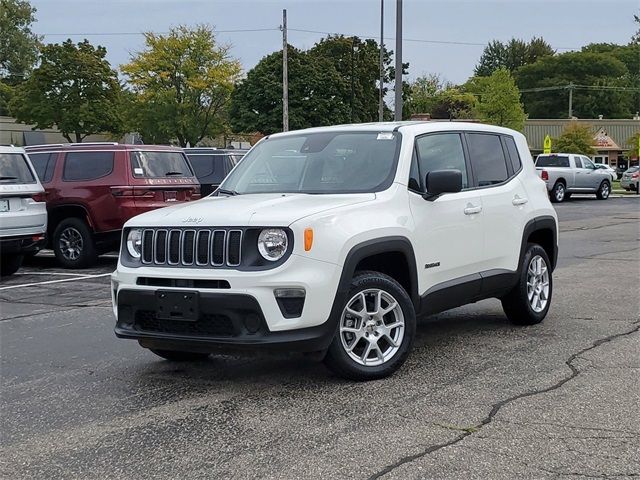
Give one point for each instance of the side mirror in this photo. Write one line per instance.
(442, 181)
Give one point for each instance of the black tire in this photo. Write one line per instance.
(558, 192)
(177, 356)
(516, 303)
(338, 360)
(10, 264)
(604, 190)
(86, 254)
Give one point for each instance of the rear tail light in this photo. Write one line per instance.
(38, 197)
(635, 175)
(544, 175)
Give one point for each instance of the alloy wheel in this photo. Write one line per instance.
(372, 327)
(560, 192)
(71, 243)
(538, 284)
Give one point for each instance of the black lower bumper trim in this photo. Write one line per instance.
(225, 321)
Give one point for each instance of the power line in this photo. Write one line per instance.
(580, 87)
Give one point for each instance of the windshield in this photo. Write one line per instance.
(552, 161)
(159, 164)
(14, 169)
(325, 162)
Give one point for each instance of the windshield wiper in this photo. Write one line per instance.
(173, 173)
(8, 178)
(230, 193)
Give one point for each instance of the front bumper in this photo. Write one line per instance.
(22, 243)
(242, 311)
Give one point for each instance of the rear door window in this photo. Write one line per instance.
(44, 164)
(487, 159)
(14, 169)
(553, 161)
(87, 165)
(578, 162)
(159, 164)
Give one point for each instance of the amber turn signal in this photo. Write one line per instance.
(308, 239)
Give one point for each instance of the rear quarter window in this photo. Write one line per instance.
(514, 156)
(552, 161)
(87, 165)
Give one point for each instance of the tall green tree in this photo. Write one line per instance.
(511, 55)
(18, 44)
(499, 99)
(358, 63)
(429, 94)
(318, 94)
(575, 138)
(588, 68)
(181, 84)
(73, 88)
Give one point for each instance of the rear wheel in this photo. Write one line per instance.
(604, 191)
(529, 301)
(10, 264)
(558, 192)
(177, 356)
(73, 244)
(376, 328)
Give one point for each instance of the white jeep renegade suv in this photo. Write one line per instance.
(331, 240)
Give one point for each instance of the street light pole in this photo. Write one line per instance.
(398, 83)
(285, 75)
(381, 96)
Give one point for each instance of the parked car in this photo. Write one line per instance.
(567, 173)
(92, 189)
(607, 168)
(23, 214)
(212, 165)
(331, 240)
(629, 180)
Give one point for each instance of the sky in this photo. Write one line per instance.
(565, 24)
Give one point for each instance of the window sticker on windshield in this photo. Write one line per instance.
(385, 136)
(138, 171)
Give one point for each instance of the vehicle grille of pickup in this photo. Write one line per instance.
(192, 247)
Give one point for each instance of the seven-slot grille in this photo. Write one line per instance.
(201, 247)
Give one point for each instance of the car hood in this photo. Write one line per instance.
(247, 210)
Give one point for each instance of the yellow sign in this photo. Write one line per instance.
(547, 144)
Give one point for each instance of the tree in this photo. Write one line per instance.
(636, 36)
(74, 88)
(499, 99)
(181, 86)
(317, 94)
(358, 63)
(588, 68)
(18, 44)
(633, 149)
(511, 55)
(575, 138)
(429, 94)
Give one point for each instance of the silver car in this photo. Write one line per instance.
(630, 178)
(23, 212)
(568, 173)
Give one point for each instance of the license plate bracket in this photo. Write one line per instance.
(4, 205)
(177, 305)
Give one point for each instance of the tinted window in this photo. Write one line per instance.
(14, 169)
(487, 158)
(578, 162)
(159, 164)
(87, 165)
(552, 161)
(43, 164)
(512, 150)
(442, 151)
(320, 162)
(414, 173)
(215, 165)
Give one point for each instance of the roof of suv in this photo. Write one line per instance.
(10, 149)
(98, 146)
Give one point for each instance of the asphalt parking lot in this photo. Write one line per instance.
(478, 398)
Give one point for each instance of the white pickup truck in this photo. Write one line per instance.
(567, 173)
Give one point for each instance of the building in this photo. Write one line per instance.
(610, 137)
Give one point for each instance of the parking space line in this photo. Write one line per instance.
(52, 273)
(84, 277)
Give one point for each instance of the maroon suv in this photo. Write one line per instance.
(92, 189)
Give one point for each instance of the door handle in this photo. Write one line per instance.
(471, 209)
(519, 201)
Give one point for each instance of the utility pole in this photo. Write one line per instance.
(398, 85)
(571, 86)
(285, 75)
(381, 97)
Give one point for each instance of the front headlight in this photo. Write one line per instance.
(272, 244)
(134, 242)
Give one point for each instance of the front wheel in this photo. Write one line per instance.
(604, 191)
(177, 356)
(529, 301)
(376, 329)
(10, 264)
(558, 192)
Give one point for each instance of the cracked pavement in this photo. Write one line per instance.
(477, 398)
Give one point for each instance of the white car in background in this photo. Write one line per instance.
(608, 169)
(23, 212)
